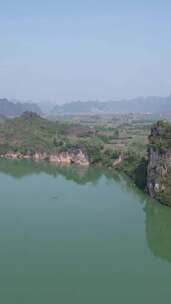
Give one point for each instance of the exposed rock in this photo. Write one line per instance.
(74, 155)
(159, 165)
(40, 156)
(118, 161)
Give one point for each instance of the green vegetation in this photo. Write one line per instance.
(165, 195)
(160, 137)
(109, 143)
(160, 166)
(136, 169)
(27, 133)
(103, 142)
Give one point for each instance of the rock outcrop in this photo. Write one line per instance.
(158, 167)
(159, 163)
(73, 155)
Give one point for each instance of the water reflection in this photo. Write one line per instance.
(78, 174)
(157, 217)
(158, 229)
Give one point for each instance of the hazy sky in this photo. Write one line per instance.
(87, 49)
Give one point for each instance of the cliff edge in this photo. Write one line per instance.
(159, 162)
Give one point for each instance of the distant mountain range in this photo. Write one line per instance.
(9, 108)
(153, 105)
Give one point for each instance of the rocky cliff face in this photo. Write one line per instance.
(74, 155)
(159, 163)
(158, 167)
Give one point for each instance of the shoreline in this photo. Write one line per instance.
(68, 157)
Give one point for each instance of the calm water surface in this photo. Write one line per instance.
(77, 235)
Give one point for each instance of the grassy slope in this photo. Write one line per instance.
(27, 132)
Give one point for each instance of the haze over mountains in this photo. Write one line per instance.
(9, 108)
(152, 105)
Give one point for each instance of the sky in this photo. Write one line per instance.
(59, 51)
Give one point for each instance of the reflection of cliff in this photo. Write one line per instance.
(78, 174)
(158, 230)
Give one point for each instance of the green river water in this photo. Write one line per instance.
(78, 235)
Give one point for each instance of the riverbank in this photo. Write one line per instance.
(76, 156)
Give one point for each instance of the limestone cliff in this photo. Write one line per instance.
(75, 155)
(159, 163)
